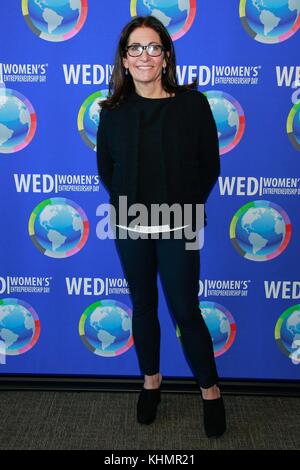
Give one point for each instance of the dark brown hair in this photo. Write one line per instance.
(121, 85)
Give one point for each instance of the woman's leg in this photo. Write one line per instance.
(138, 260)
(179, 272)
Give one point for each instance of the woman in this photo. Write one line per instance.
(157, 143)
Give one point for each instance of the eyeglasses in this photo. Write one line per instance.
(135, 50)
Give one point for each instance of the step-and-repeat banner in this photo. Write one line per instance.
(65, 307)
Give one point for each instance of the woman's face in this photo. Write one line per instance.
(144, 69)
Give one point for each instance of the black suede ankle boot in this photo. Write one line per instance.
(214, 417)
(147, 405)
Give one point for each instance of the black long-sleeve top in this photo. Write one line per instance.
(159, 150)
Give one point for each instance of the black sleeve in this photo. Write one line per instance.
(209, 151)
(104, 160)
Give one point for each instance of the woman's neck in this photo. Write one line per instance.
(152, 93)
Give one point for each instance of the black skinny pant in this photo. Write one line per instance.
(179, 269)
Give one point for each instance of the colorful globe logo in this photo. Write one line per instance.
(221, 326)
(55, 20)
(229, 117)
(58, 227)
(17, 121)
(88, 118)
(19, 326)
(105, 328)
(260, 230)
(176, 15)
(287, 333)
(293, 125)
(270, 21)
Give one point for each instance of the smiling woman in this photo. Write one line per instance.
(157, 145)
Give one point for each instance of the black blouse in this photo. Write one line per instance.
(150, 174)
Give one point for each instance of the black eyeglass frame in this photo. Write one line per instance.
(127, 49)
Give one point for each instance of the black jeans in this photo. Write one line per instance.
(179, 270)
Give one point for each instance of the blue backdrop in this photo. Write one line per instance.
(64, 303)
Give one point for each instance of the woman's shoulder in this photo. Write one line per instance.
(192, 94)
(103, 112)
(107, 113)
(193, 101)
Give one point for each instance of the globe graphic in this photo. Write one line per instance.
(293, 125)
(55, 20)
(228, 114)
(271, 21)
(220, 323)
(17, 121)
(106, 328)
(296, 125)
(260, 231)
(88, 118)
(287, 332)
(172, 13)
(58, 227)
(19, 326)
